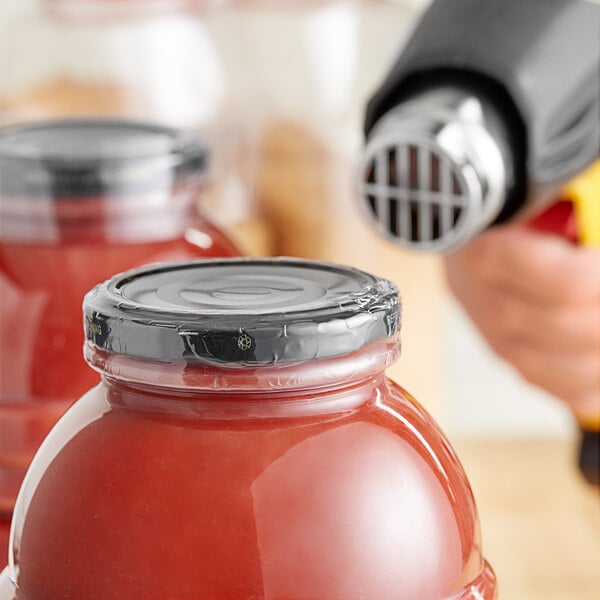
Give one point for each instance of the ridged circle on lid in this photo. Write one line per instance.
(241, 311)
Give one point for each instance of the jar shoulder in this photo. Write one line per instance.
(389, 438)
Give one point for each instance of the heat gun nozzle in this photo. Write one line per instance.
(435, 170)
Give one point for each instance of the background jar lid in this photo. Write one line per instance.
(241, 311)
(71, 158)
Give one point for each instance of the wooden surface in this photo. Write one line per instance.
(540, 522)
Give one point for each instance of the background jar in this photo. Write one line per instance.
(79, 200)
(245, 443)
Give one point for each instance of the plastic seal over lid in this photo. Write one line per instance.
(241, 311)
(95, 156)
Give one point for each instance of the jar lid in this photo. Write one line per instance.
(95, 156)
(241, 311)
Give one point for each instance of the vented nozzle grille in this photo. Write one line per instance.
(434, 170)
(413, 194)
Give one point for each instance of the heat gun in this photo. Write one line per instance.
(490, 110)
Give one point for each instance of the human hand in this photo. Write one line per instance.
(536, 300)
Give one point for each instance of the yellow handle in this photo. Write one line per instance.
(584, 192)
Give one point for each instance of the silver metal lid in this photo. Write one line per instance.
(87, 157)
(241, 311)
(435, 170)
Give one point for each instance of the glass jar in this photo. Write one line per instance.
(154, 60)
(245, 443)
(79, 201)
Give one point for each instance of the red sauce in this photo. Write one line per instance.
(369, 502)
(4, 533)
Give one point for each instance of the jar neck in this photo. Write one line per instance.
(145, 217)
(221, 405)
(319, 386)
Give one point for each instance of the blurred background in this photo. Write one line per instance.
(283, 92)
(279, 91)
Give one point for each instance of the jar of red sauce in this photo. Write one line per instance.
(244, 443)
(79, 201)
